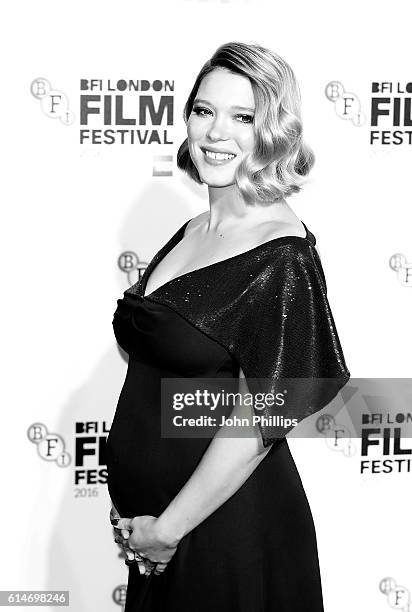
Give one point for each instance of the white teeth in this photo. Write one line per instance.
(219, 155)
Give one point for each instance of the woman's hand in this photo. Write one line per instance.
(121, 537)
(148, 541)
(114, 519)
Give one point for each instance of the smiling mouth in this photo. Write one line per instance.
(218, 156)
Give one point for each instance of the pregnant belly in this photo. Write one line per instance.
(146, 471)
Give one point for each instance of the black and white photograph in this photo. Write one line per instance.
(207, 249)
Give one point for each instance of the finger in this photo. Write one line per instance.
(114, 515)
(124, 523)
(160, 568)
(142, 568)
(150, 566)
(125, 533)
(129, 553)
(122, 534)
(119, 540)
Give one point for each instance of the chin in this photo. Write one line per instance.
(214, 184)
(216, 181)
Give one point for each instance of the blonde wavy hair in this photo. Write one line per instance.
(281, 158)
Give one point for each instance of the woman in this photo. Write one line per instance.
(224, 524)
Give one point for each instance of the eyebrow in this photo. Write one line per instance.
(246, 108)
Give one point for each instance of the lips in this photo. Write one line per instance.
(223, 160)
(204, 149)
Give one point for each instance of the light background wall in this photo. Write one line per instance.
(70, 210)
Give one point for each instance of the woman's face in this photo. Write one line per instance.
(221, 122)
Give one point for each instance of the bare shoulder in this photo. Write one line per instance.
(196, 222)
(285, 228)
(261, 233)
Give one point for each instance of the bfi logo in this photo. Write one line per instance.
(130, 263)
(50, 446)
(403, 269)
(53, 102)
(398, 597)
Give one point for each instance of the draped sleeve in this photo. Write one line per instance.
(288, 332)
(268, 307)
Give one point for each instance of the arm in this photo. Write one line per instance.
(225, 466)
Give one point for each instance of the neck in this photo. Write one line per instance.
(227, 210)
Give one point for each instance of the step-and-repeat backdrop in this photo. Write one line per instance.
(93, 121)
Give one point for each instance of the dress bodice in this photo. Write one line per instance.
(154, 333)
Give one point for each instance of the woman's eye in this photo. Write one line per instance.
(248, 118)
(198, 110)
(201, 111)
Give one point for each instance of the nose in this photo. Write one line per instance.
(218, 130)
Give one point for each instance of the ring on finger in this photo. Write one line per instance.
(150, 565)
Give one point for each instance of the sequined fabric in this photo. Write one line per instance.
(269, 308)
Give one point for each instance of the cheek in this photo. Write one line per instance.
(194, 131)
(247, 142)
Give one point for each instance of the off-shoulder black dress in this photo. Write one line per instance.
(266, 311)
